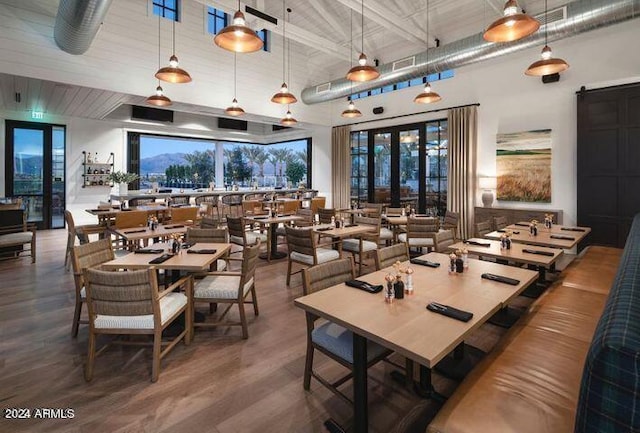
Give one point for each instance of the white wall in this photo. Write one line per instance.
(512, 102)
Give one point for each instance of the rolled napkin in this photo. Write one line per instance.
(573, 229)
(163, 258)
(135, 231)
(350, 225)
(423, 262)
(363, 285)
(542, 253)
(501, 279)
(149, 251)
(449, 311)
(521, 224)
(479, 244)
(174, 226)
(563, 237)
(203, 251)
(324, 229)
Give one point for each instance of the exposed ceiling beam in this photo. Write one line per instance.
(388, 19)
(328, 17)
(294, 32)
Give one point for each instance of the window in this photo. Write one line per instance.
(216, 20)
(166, 9)
(359, 164)
(177, 162)
(404, 84)
(436, 166)
(264, 35)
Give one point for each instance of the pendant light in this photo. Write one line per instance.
(351, 110)
(288, 119)
(428, 96)
(158, 99)
(512, 26)
(173, 73)
(284, 96)
(238, 37)
(234, 109)
(548, 65)
(362, 72)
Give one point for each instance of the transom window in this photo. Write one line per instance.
(403, 84)
(166, 9)
(216, 20)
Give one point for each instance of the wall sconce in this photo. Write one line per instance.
(487, 184)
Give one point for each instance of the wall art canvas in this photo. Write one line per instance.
(524, 166)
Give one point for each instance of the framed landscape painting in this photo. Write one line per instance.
(523, 162)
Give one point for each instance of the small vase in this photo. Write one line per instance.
(123, 188)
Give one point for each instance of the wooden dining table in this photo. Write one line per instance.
(578, 232)
(405, 325)
(543, 238)
(337, 235)
(272, 222)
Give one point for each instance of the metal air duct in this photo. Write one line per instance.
(77, 23)
(581, 16)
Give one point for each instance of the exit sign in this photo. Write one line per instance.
(38, 115)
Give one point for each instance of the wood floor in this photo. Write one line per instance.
(218, 384)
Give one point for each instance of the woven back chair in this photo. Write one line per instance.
(239, 235)
(180, 199)
(231, 204)
(389, 255)
(325, 214)
(125, 303)
(211, 203)
(482, 228)
(231, 288)
(373, 209)
(209, 223)
(307, 215)
(366, 244)
(303, 249)
(420, 232)
(317, 203)
(85, 256)
(212, 235)
(451, 222)
(329, 338)
(442, 240)
(81, 232)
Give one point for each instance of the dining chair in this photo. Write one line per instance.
(288, 207)
(211, 201)
(252, 207)
(420, 232)
(180, 199)
(130, 303)
(388, 256)
(85, 256)
(442, 240)
(373, 209)
(303, 249)
(231, 204)
(325, 214)
(500, 222)
(482, 228)
(231, 288)
(239, 235)
(451, 221)
(329, 338)
(81, 232)
(366, 244)
(212, 235)
(126, 220)
(209, 223)
(317, 203)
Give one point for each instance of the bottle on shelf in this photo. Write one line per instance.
(89, 159)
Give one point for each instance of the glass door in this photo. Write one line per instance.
(359, 167)
(436, 173)
(381, 168)
(409, 150)
(34, 170)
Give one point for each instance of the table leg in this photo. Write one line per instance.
(272, 245)
(536, 289)
(458, 364)
(360, 406)
(505, 317)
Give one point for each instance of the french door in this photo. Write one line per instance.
(35, 170)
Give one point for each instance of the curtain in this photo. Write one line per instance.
(341, 166)
(463, 137)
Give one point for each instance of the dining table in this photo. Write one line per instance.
(406, 326)
(271, 223)
(337, 235)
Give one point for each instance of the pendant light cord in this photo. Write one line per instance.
(289, 51)
(173, 46)
(351, 48)
(427, 37)
(362, 23)
(159, 61)
(235, 79)
(546, 30)
(284, 41)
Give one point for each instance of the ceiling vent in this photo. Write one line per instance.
(555, 15)
(323, 87)
(409, 62)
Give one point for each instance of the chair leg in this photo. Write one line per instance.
(67, 254)
(157, 349)
(254, 300)
(308, 365)
(289, 273)
(243, 320)
(88, 370)
(76, 318)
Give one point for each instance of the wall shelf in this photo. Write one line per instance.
(95, 172)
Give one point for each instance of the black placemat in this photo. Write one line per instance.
(203, 251)
(541, 253)
(423, 262)
(501, 279)
(163, 258)
(449, 311)
(363, 285)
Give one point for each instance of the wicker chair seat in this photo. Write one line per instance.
(386, 234)
(169, 305)
(416, 242)
(11, 239)
(353, 245)
(220, 287)
(251, 238)
(323, 254)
